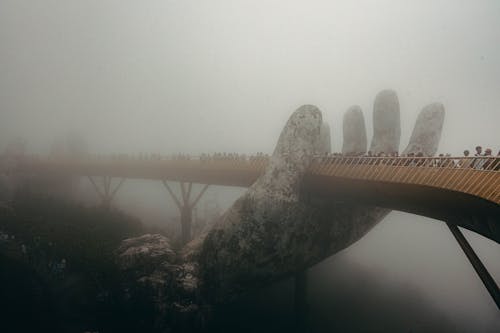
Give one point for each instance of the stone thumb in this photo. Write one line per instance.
(292, 156)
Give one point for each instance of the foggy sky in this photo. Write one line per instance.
(224, 75)
(195, 76)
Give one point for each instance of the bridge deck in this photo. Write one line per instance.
(459, 191)
(443, 188)
(475, 176)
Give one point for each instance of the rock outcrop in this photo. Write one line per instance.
(146, 251)
(156, 274)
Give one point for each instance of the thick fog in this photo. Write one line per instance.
(199, 76)
(223, 76)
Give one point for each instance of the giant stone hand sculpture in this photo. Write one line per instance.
(274, 230)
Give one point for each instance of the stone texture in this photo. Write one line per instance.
(256, 240)
(354, 132)
(145, 250)
(427, 131)
(386, 123)
(276, 230)
(152, 270)
(325, 142)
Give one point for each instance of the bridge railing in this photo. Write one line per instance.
(478, 162)
(473, 175)
(486, 163)
(477, 175)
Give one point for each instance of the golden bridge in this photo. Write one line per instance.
(461, 191)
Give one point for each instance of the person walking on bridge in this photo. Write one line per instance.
(477, 163)
(465, 162)
(487, 160)
(479, 151)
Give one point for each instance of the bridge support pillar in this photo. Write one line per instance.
(185, 206)
(106, 194)
(483, 273)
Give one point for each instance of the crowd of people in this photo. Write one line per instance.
(479, 152)
(234, 157)
(477, 162)
(480, 160)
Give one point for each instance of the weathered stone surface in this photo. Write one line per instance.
(256, 239)
(153, 270)
(427, 131)
(386, 123)
(291, 158)
(325, 142)
(354, 132)
(146, 250)
(273, 230)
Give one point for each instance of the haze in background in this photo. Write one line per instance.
(208, 76)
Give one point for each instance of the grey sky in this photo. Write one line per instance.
(224, 75)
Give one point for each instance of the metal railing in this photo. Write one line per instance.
(478, 175)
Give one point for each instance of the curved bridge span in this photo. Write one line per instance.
(460, 191)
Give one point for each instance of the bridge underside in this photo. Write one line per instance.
(464, 210)
(417, 189)
(453, 207)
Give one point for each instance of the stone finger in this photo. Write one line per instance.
(354, 132)
(427, 131)
(386, 123)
